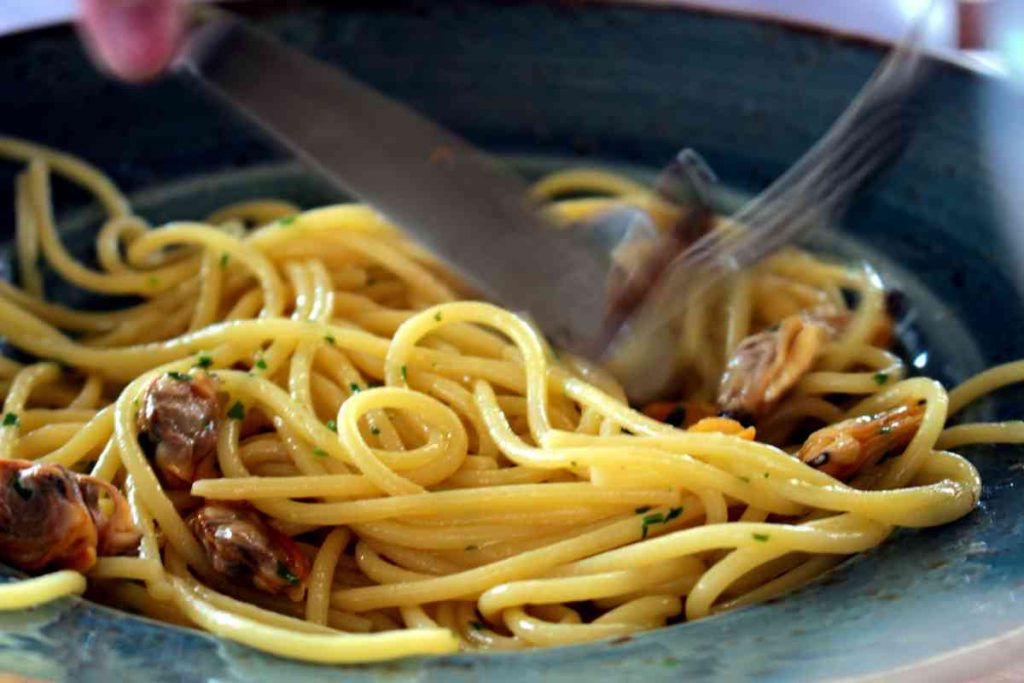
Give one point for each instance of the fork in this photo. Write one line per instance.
(864, 141)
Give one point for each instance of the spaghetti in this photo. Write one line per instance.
(425, 474)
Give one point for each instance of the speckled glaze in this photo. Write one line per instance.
(608, 84)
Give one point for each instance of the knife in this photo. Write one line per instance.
(462, 204)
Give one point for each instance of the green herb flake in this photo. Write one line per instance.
(657, 518)
(745, 480)
(573, 463)
(333, 426)
(261, 363)
(405, 373)
(649, 521)
(761, 537)
(355, 388)
(23, 491)
(476, 625)
(676, 418)
(887, 429)
(153, 281)
(437, 316)
(881, 378)
(671, 661)
(11, 420)
(329, 338)
(224, 260)
(180, 376)
(766, 475)
(204, 360)
(285, 573)
(287, 220)
(236, 411)
(642, 510)
(319, 452)
(374, 431)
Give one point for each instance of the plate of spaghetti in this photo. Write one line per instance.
(250, 429)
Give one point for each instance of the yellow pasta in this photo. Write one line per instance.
(450, 480)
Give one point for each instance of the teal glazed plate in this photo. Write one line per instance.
(555, 84)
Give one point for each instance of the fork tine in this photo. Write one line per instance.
(859, 154)
(870, 134)
(820, 205)
(771, 224)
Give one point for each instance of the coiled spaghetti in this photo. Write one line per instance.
(453, 481)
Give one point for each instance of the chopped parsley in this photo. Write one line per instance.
(11, 420)
(23, 491)
(766, 475)
(355, 388)
(180, 376)
(887, 429)
(437, 316)
(647, 522)
(676, 418)
(745, 480)
(573, 463)
(659, 518)
(153, 281)
(286, 574)
(333, 426)
(374, 431)
(287, 220)
(319, 452)
(405, 373)
(642, 510)
(656, 518)
(204, 360)
(224, 260)
(761, 537)
(476, 625)
(670, 661)
(261, 363)
(236, 411)
(881, 378)
(329, 338)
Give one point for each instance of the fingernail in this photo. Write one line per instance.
(133, 39)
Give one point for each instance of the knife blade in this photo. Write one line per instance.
(460, 203)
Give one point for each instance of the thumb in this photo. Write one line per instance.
(133, 39)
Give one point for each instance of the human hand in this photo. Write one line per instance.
(133, 40)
